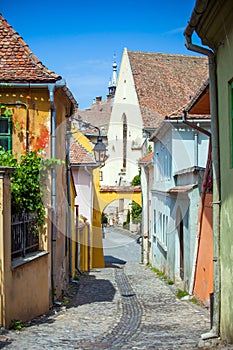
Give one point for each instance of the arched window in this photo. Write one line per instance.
(124, 140)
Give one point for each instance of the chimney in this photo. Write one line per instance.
(98, 99)
(109, 97)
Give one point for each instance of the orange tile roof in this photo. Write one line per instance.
(147, 158)
(17, 62)
(198, 107)
(79, 155)
(164, 82)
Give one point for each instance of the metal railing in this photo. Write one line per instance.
(24, 234)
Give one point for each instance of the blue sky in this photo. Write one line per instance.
(78, 39)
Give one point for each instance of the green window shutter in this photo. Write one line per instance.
(5, 132)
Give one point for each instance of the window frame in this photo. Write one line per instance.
(7, 135)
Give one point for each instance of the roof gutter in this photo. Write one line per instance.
(183, 120)
(200, 8)
(32, 85)
(59, 83)
(193, 125)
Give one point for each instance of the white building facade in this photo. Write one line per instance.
(180, 156)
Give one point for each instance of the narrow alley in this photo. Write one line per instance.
(123, 306)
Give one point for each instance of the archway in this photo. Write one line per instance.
(102, 197)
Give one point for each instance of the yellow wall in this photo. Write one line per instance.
(26, 291)
(38, 104)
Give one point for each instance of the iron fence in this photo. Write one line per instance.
(24, 234)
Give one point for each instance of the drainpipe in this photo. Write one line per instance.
(196, 148)
(148, 220)
(53, 187)
(199, 9)
(69, 219)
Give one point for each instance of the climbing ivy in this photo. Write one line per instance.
(26, 180)
(137, 179)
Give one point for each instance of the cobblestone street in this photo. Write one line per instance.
(121, 307)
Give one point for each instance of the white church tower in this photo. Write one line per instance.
(125, 135)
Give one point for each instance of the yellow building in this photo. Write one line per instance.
(35, 103)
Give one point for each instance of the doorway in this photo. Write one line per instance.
(180, 229)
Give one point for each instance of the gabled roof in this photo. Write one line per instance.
(164, 82)
(79, 155)
(198, 107)
(200, 104)
(17, 62)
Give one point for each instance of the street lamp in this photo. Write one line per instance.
(99, 148)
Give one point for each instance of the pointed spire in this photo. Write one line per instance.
(113, 82)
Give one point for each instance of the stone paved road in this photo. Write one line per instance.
(123, 306)
(128, 307)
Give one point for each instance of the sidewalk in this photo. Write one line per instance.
(128, 307)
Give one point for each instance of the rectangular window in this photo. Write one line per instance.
(5, 132)
(154, 221)
(162, 229)
(160, 226)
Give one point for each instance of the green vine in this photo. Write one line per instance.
(5, 111)
(136, 209)
(26, 190)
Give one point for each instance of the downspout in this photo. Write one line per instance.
(51, 88)
(148, 223)
(196, 148)
(197, 13)
(69, 220)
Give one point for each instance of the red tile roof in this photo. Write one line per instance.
(164, 82)
(197, 108)
(17, 62)
(147, 158)
(79, 155)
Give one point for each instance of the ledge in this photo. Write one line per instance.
(28, 258)
(162, 245)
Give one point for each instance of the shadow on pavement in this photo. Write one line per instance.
(111, 261)
(92, 290)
